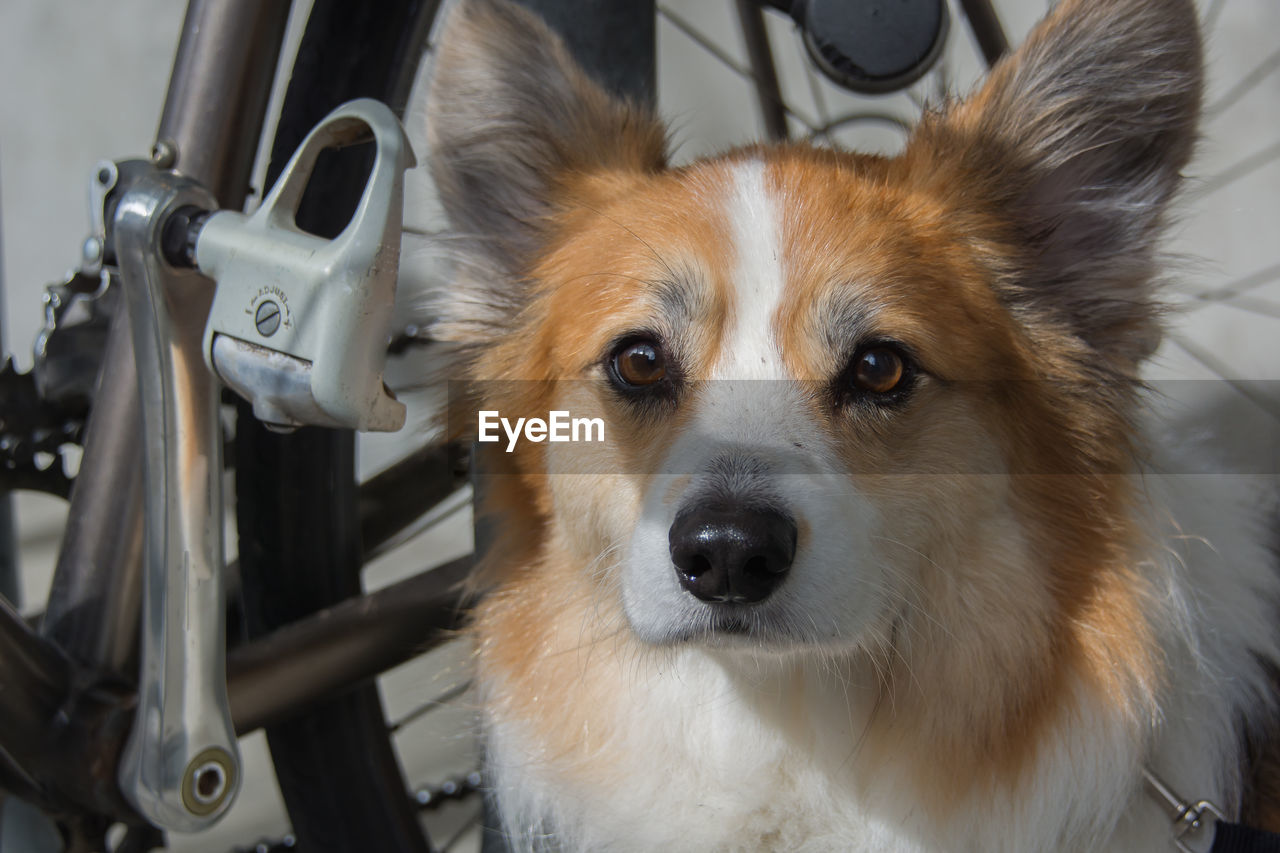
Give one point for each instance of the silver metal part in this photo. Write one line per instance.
(105, 176)
(164, 154)
(309, 319)
(69, 348)
(1194, 824)
(183, 722)
(265, 377)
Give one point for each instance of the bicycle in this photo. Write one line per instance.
(353, 811)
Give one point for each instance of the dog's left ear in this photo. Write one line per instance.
(1077, 141)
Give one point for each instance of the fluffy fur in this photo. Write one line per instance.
(1007, 597)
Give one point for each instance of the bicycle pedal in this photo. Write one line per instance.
(300, 324)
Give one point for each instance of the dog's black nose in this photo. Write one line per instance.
(735, 554)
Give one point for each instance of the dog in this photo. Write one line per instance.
(878, 549)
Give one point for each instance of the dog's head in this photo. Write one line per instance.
(848, 401)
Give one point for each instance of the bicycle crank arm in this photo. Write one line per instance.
(180, 768)
(300, 325)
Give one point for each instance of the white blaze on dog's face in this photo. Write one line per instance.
(717, 547)
(818, 370)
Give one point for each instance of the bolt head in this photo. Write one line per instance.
(164, 154)
(267, 318)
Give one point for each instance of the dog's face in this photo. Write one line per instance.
(784, 406)
(845, 398)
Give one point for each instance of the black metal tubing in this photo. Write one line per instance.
(37, 673)
(986, 28)
(760, 55)
(275, 677)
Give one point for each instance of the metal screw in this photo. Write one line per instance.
(91, 252)
(267, 318)
(164, 154)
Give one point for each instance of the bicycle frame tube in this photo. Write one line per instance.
(274, 677)
(93, 607)
(218, 92)
(986, 29)
(60, 734)
(760, 55)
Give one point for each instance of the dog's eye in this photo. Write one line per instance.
(880, 373)
(639, 363)
(878, 370)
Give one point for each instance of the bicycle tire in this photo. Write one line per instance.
(296, 494)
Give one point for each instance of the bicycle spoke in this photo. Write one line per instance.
(728, 61)
(1254, 305)
(1211, 15)
(1242, 169)
(1245, 387)
(1240, 286)
(819, 99)
(462, 831)
(427, 707)
(1247, 84)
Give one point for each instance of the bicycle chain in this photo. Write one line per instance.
(428, 798)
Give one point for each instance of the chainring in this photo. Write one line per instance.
(36, 436)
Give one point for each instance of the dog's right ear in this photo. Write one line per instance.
(514, 124)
